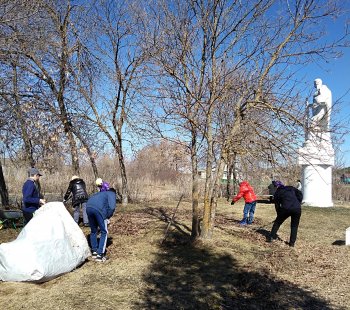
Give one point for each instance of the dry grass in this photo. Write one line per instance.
(237, 269)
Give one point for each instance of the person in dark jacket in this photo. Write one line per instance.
(288, 204)
(32, 198)
(100, 207)
(77, 191)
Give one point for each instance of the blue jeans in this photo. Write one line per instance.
(76, 214)
(97, 221)
(248, 212)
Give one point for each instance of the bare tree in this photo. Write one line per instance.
(119, 58)
(50, 50)
(240, 57)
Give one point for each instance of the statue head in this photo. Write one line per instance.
(318, 83)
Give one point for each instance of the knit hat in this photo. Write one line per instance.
(74, 177)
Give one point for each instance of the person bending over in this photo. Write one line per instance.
(99, 208)
(288, 204)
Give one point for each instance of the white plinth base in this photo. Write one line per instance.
(317, 186)
(317, 159)
(347, 236)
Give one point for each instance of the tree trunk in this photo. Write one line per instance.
(60, 95)
(195, 189)
(88, 150)
(3, 190)
(206, 232)
(28, 150)
(215, 192)
(228, 185)
(125, 189)
(73, 151)
(230, 171)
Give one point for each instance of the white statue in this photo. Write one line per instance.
(317, 154)
(321, 107)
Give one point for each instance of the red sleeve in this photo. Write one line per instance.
(240, 194)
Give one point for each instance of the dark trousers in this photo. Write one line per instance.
(97, 221)
(28, 215)
(282, 215)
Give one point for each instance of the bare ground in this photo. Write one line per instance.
(236, 269)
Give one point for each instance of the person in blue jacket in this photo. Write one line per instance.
(99, 208)
(31, 194)
(288, 204)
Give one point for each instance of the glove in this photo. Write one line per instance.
(232, 203)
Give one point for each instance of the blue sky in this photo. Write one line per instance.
(337, 78)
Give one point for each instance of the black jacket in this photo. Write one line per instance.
(77, 189)
(288, 197)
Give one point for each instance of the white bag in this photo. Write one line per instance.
(49, 245)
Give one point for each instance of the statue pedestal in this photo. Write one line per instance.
(317, 160)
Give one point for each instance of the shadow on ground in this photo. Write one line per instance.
(188, 276)
(339, 242)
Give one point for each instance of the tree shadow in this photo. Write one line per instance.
(339, 242)
(162, 215)
(190, 276)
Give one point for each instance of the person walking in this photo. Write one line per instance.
(288, 204)
(77, 191)
(247, 192)
(32, 199)
(102, 185)
(99, 208)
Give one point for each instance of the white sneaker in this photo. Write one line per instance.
(100, 258)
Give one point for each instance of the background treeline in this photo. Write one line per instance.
(86, 85)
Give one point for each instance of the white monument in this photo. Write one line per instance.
(317, 154)
(347, 236)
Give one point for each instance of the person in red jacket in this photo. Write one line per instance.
(247, 192)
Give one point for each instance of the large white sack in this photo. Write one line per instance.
(49, 245)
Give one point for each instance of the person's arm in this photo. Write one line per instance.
(299, 195)
(240, 194)
(112, 203)
(68, 192)
(277, 201)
